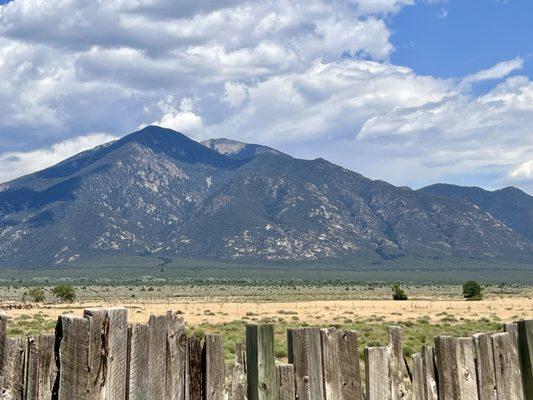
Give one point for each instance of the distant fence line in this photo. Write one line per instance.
(101, 356)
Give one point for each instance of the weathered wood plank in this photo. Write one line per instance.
(261, 371)
(516, 374)
(341, 370)
(445, 351)
(285, 382)
(176, 357)
(350, 370)
(96, 378)
(3, 346)
(466, 369)
(13, 379)
(306, 355)
(485, 367)
(138, 357)
(396, 363)
(525, 348)
(157, 358)
(40, 368)
(74, 358)
(194, 379)
(508, 385)
(418, 377)
(214, 368)
(238, 390)
(430, 373)
(377, 373)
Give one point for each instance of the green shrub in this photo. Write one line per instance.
(398, 293)
(472, 290)
(37, 294)
(65, 292)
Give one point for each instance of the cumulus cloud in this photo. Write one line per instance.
(15, 164)
(313, 77)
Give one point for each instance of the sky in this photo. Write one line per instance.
(408, 91)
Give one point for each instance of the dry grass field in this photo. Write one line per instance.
(226, 308)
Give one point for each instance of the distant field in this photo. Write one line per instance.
(226, 307)
(412, 269)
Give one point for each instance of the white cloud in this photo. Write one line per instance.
(313, 76)
(523, 171)
(15, 164)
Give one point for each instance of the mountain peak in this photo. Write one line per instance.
(238, 150)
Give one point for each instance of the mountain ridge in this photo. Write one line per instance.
(157, 192)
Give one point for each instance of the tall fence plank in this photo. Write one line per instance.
(466, 369)
(285, 382)
(13, 379)
(74, 358)
(261, 372)
(214, 368)
(418, 377)
(445, 352)
(194, 378)
(3, 346)
(138, 357)
(396, 363)
(238, 390)
(508, 384)
(525, 348)
(485, 367)
(40, 368)
(306, 355)
(377, 373)
(157, 360)
(341, 371)
(516, 374)
(176, 364)
(430, 373)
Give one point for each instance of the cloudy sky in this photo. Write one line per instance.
(409, 91)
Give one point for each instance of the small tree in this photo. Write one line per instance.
(472, 290)
(37, 294)
(398, 293)
(65, 292)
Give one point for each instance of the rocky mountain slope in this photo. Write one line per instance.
(156, 192)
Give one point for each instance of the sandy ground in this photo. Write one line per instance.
(197, 310)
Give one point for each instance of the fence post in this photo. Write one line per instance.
(194, 378)
(237, 378)
(396, 363)
(486, 374)
(261, 371)
(285, 382)
(214, 368)
(466, 368)
(74, 358)
(138, 356)
(306, 355)
(3, 347)
(418, 377)
(157, 360)
(430, 373)
(350, 370)
(176, 357)
(378, 386)
(508, 383)
(525, 343)
(446, 361)
(40, 368)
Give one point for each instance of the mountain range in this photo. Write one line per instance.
(158, 193)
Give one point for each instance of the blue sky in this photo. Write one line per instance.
(409, 91)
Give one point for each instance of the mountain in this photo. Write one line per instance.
(238, 150)
(510, 205)
(157, 193)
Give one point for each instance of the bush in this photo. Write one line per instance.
(398, 293)
(37, 294)
(65, 292)
(472, 290)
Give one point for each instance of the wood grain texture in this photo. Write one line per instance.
(74, 358)
(466, 369)
(3, 346)
(13, 378)
(214, 368)
(525, 349)
(485, 367)
(194, 379)
(516, 373)
(430, 373)
(40, 368)
(397, 370)
(261, 371)
(176, 365)
(138, 357)
(238, 388)
(445, 352)
(508, 384)
(350, 369)
(285, 382)
(377, 373)
(306, 355)
(157, 359)
(97, 317)
(418, 392)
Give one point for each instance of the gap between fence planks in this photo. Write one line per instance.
(100, 356)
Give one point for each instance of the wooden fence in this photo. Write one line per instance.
(101, 356)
